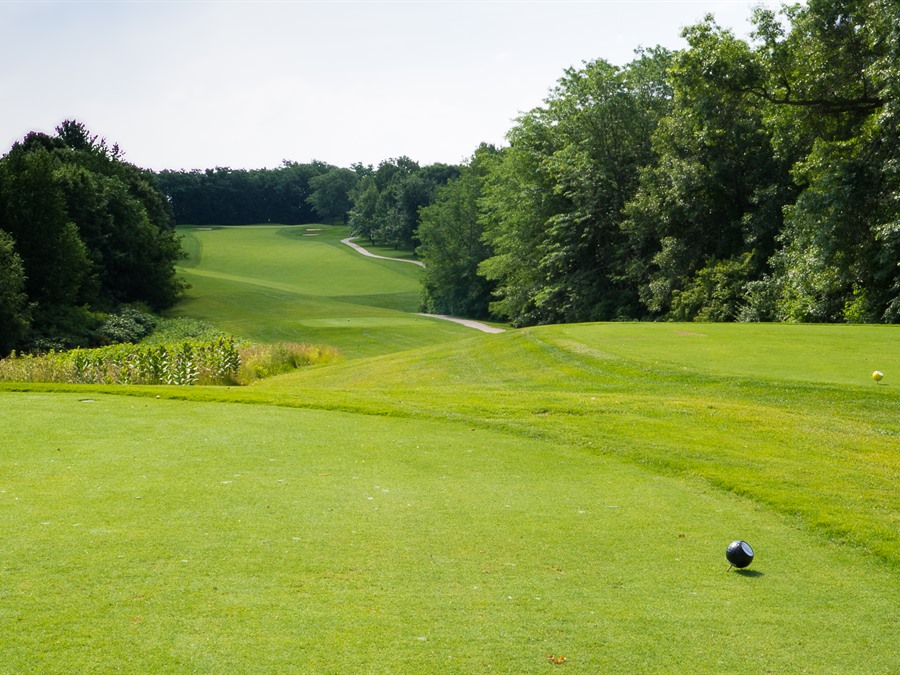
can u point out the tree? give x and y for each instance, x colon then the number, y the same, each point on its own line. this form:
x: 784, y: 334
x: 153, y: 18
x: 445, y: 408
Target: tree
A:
x: 33, y: 212
x: 90, y: 231
x: 330, y: 195
x: 75, y: 135
x: 394, y: 221
x: 126, y: 225
x: 518, y: 202
x: 607, y: 117
x: 831, y: 83
x: 15, y: 317
x: 554, y: 205
x: 362, y: 214
x: 386, y: 201
x: 452, y: 245
x: 712, y: 200
x: 400, y: 204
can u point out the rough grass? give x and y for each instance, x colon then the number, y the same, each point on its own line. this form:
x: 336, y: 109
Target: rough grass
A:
x: 267, y: 360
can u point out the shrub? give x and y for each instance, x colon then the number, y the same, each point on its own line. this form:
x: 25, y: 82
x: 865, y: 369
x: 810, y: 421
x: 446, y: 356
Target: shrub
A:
x: 128, y: 325
x: 716, y: 292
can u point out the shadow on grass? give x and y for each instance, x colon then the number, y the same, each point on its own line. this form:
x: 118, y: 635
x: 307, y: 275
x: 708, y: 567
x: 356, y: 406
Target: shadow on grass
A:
x: 753, y: 574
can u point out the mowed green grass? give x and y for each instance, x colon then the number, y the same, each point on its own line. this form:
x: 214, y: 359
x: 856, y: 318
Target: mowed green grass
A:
x: 823, y: 450
x: 473, y: 504
x: 272, y: 283
x: 151, y: 535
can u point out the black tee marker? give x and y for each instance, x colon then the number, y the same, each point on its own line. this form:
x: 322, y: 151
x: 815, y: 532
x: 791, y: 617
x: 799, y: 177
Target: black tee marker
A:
x: 739, y: 554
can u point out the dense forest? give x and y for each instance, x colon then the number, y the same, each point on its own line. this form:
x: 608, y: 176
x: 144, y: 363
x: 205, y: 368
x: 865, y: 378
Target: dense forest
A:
x: 386, y: 202
x: 292, y: 194
x: 83, y: 234
x: 733, y: 180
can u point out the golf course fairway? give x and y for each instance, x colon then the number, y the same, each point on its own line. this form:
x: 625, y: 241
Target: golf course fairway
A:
x: 442, y: 500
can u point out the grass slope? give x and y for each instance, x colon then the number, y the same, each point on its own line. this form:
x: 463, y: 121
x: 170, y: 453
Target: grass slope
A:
x: 472, y: 505
x: 823, y: 449
x: 300, y: 284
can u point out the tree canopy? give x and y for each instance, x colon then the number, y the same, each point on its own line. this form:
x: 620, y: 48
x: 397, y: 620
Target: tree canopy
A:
x: 82, y: 232
x: 452, y: 244
x: 732, y: 180
x: 386, y: 201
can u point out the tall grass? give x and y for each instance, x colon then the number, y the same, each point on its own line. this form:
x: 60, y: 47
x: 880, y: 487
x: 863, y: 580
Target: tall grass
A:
x: 185, y: 363
x: 221, y: 361
x: 260, y: 361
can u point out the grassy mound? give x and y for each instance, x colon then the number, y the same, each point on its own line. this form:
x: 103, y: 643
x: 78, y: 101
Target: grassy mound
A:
x: 750, y: 408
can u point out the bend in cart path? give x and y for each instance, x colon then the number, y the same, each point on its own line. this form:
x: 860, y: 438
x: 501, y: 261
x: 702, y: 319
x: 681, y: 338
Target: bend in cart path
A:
x: 360, y: 249
x: 477, y: 325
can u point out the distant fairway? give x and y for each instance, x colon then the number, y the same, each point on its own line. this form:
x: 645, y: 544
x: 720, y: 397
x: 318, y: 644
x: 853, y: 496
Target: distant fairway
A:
x: 300, y: 284
x: 448, y: 501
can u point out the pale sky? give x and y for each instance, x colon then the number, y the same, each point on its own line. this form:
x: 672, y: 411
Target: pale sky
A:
x: 191, y: 85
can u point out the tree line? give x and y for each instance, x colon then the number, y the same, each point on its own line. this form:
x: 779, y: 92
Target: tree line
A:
x: 82, y: 234
x: 386, y: 202
x: 733, y: 180
x: 380, y: 204
x: 291, y: 194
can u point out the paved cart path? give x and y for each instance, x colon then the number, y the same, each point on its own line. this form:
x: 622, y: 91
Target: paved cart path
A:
x: 360, y: 249
x: 477, y: 325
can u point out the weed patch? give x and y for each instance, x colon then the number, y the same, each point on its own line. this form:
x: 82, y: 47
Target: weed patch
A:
x: 261, y: 361
x: 221, y: 361
x: 187, y: 363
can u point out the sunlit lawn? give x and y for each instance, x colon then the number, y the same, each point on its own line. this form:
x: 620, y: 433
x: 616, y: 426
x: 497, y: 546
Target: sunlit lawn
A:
x: 442, y: 500
x: 154, y: 535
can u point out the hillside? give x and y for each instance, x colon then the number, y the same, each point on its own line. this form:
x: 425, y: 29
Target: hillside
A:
x: 300, y: 284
